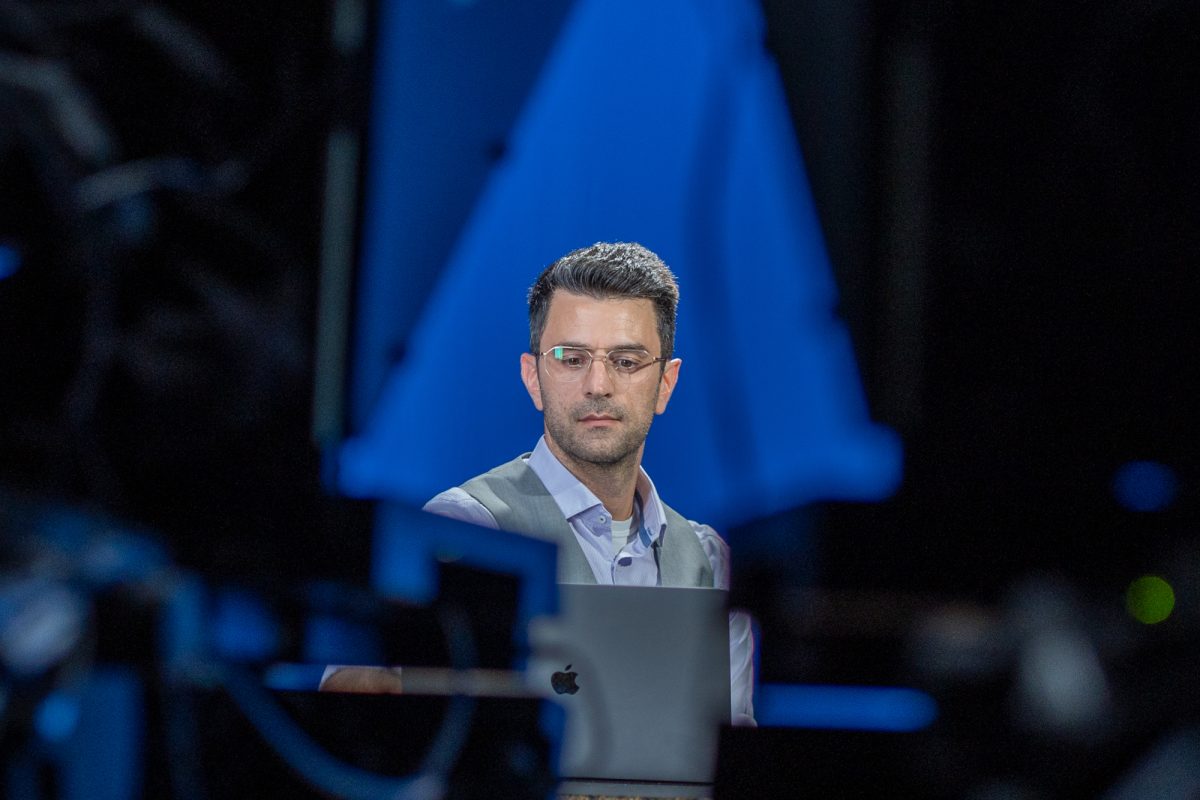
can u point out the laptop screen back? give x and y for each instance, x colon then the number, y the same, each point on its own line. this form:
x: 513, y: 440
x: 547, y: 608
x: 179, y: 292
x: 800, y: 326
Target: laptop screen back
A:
x: 643, y: 675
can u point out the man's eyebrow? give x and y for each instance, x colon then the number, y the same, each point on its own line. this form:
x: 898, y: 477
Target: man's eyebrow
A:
x: 625, y: 346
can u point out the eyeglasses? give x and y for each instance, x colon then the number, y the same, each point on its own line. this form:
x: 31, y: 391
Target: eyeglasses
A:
x: 572, y: 363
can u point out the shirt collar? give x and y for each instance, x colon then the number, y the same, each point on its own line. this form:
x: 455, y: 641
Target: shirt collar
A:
x: 573, y: 498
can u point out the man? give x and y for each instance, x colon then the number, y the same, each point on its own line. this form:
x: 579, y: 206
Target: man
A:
x: 600, y: 367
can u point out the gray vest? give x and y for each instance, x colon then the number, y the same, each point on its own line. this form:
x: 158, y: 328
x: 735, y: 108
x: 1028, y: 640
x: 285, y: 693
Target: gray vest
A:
x: 519, y: 501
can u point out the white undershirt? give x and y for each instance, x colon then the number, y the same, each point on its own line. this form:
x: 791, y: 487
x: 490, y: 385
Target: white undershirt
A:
x: 621, y: 532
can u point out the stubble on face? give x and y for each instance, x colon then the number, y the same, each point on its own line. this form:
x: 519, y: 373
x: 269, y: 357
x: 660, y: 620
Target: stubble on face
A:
x: 608, y: 447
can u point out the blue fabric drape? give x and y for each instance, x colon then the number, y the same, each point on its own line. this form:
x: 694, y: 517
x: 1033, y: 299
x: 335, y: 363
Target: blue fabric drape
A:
x: 663, y: 123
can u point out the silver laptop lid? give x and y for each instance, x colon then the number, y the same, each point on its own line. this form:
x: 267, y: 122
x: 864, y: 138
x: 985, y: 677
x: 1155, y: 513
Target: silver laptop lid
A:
x: 643, y: 674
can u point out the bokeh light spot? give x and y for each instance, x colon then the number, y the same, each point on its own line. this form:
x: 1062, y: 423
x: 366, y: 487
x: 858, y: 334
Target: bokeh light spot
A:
x: 10, y: 260
x: 1145, y: 485
x: 56, y: 717
x: 1150, y: 599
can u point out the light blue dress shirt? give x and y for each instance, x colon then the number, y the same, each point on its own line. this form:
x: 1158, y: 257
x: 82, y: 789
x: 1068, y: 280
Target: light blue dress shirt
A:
x: 634, y: 564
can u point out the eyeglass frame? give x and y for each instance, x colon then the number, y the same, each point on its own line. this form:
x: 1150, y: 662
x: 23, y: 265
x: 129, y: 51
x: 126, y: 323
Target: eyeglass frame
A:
x: 608, y: 364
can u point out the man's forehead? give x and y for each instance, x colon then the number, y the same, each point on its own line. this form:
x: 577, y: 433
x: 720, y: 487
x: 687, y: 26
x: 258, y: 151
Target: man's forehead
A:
x: 571, y: 302
x: 583, y: 321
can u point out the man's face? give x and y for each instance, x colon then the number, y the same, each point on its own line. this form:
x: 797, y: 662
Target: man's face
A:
x: 600, y: 419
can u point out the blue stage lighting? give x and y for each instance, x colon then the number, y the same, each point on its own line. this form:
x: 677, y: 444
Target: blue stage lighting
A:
x: 243, y: 627
x: 1145, y: 486
x: 10, y: 260
x: 859, y: 708
x: 57, y: 716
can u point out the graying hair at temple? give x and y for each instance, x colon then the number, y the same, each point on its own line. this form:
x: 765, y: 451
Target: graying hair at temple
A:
x: 608, y: 270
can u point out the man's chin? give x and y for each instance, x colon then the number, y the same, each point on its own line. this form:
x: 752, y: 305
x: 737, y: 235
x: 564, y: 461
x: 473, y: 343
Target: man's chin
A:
x: 600, y: 446
x: 599, y: 455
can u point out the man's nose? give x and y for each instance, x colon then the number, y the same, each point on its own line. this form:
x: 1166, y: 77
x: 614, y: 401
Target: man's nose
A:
x: 599, y: 379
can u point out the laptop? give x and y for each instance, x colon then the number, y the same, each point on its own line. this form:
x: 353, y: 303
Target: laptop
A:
x: 643, y: 676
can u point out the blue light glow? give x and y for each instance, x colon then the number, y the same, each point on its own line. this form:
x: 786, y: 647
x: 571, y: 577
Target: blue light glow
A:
x: 1145, y: 486
x: 57, y: 717
x: 293, y: 677
x: 860, y: 708
x: 10, y: 261
x: 331, y: 640
x: 243, y: 627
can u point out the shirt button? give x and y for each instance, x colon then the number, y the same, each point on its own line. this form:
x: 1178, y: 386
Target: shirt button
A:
x: 603, y: 518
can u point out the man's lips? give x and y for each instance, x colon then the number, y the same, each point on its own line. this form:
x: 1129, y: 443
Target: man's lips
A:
x: 597, y: 419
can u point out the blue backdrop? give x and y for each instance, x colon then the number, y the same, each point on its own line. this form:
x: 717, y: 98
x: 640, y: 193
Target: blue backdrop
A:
x: 663, y: 123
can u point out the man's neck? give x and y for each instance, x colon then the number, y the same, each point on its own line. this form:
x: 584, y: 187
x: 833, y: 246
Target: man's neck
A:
x: 613, y: 484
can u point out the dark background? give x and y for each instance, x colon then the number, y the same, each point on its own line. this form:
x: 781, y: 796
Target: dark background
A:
x: 1008, y: 196
x: 159, y: 349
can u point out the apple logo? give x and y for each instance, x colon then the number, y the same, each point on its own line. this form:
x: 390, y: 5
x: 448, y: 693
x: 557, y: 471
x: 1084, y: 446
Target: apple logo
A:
x: 564, y: 682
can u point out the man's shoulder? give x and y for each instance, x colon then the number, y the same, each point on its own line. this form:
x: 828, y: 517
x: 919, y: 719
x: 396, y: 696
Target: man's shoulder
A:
x: 506, y: 485
x: 710, y: 540
x: 457, y: 504
x: 509, y: 470
x: 703, y: 532
x: 476, y: 500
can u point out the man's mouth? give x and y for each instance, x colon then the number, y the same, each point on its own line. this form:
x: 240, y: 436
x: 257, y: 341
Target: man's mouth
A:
x: 597, y: 419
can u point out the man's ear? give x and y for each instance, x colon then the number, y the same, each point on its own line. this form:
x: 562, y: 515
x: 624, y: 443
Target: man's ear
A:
x: 529, y: 376
x: 666, y: 384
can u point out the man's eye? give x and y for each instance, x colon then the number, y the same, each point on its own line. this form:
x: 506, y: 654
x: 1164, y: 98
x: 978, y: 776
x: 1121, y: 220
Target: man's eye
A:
x: 573, y: 360
x: 625, y: 362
